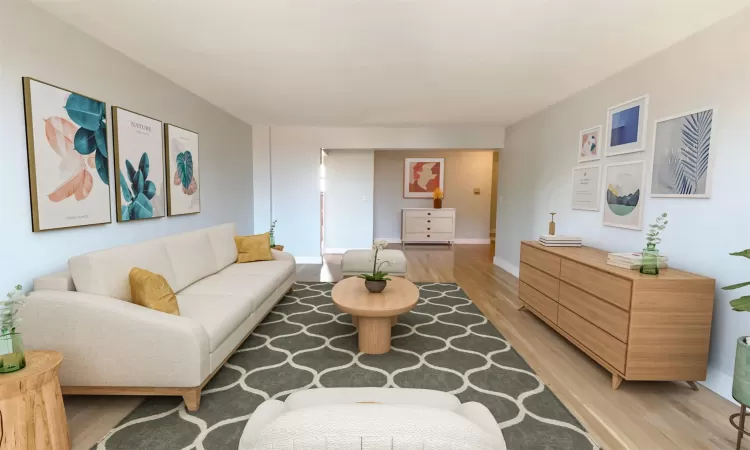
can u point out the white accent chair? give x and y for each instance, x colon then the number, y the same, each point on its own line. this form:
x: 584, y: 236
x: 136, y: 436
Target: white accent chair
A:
x: 371, y: 418
x: 113, y: 346
x: 355, y: 262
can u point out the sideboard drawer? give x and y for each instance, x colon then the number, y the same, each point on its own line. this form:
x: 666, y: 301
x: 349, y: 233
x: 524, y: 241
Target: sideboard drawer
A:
x: 429, y: 213
x: 546, y: 284
x: 540, y: 302
x: 604, y: 315
x: 605, y: 346
x: 429, y: 237
x: 427, y: 224
x: 613, y: 289
x: 540, y: 259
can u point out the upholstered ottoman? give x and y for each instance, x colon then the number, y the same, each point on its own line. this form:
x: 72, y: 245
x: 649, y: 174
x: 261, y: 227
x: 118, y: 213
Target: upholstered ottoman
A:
x: 373, y: 419
x: 356, y: 262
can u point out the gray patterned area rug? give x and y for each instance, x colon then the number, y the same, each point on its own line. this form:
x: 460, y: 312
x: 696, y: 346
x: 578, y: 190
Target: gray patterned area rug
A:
x: 444, y: 343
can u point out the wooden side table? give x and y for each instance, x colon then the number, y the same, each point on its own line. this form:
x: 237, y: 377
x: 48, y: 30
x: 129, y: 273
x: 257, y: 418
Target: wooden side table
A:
x: 278, y: 247
x: 31, y: 405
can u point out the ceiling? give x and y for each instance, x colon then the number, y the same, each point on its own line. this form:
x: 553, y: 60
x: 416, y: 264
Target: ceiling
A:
x: 388, y: 62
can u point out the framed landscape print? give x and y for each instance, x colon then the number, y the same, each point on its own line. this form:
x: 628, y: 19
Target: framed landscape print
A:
x: 623, y: 206
x: 586, y: 187
x: 626, y: 127
x: 66, y: 137
x: 589, y: 148
x: 183, y: 194
x: 683, y: 155
x: 139, y: 166
x: 422, y: 176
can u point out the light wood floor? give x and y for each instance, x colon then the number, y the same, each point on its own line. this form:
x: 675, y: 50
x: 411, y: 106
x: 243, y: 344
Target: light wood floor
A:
x: 639, y: 416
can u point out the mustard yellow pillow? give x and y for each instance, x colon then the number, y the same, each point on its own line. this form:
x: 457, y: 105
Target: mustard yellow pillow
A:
x: 253, y: 248
x: 152, y: 291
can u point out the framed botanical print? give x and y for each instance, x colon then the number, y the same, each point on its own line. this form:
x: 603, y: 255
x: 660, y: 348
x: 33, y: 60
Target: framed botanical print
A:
x: 183, y: 168
x: 66, y: 136
x: 624, y: 195
x: 422, y: 176
x: 626, y: 127
x: 683, y: 155
x: 139, y: 166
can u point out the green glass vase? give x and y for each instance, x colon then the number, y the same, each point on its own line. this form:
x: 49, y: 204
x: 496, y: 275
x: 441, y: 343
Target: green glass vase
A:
x: 11, y: 349
x: 650, y: 260
x: 741, y: 382
x: 273, y: 240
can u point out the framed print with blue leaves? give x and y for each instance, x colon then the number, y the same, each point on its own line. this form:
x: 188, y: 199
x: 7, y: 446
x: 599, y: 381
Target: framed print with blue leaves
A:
x: 183, y: 171
x: 139, y: 166
x: 66, y: 137
x: 683, y: 155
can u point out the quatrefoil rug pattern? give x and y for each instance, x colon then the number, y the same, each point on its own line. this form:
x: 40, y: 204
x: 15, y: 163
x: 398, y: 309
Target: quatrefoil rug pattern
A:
x: 444, y: 343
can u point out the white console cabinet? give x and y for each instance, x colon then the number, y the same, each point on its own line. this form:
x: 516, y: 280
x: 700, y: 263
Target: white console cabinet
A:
x: 420, y: 225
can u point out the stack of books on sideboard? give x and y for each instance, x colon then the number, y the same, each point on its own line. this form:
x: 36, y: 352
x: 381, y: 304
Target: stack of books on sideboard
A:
x: 631, y: 261
x: 551, y: 240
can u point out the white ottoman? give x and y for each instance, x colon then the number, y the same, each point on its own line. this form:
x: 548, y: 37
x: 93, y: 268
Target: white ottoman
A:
x: 356, y: 262
x: 373, y: 419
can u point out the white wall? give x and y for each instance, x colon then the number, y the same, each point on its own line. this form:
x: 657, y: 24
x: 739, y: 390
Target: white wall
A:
x: 349, y: 178
x: 295, y: 161
x: 464, y: 171
x: 261, y: 177
x: 35, y: 44
x: 712, y: 68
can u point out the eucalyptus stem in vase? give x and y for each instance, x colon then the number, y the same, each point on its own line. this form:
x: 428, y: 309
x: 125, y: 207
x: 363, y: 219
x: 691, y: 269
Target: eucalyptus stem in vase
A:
x: 11, y: 347
x: 650, y: 255
x: 271, y: 233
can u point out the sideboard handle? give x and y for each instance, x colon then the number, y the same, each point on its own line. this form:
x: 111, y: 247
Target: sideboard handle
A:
x: 428, y: 229
x: 428, y: 235
x: 429, y: 214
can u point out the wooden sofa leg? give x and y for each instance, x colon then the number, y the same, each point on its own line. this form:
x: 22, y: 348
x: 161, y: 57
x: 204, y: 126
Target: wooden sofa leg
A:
x: 192, y: 399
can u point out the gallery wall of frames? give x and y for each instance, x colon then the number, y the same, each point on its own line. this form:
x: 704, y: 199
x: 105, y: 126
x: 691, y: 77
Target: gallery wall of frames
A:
x: 155, y: 169
x: 680, y: 166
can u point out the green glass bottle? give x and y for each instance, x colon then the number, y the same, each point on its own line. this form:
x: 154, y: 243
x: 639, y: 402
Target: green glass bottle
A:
x: 650, y: 260
x: 13, y: 358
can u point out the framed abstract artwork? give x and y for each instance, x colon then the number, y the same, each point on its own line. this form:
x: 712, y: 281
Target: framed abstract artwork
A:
x: 422, y: 176
x: 683, y: 155
x: 183, y: 168
x: 586, y: 187
x: 626, y: 127
x: 589, y: 140
x: 139, y: 166
x: 66, y: 137
x: 623, y: 195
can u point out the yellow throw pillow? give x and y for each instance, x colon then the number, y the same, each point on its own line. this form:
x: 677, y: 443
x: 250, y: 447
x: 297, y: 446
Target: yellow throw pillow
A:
x: 152, y: 291
x: 253, y: 248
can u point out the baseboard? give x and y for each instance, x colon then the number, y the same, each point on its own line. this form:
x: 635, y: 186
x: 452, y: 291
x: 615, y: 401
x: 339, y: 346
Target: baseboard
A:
x: 506, y: 266
x: 471, y: 241
x: 309, y: 259
x: 719, y: 382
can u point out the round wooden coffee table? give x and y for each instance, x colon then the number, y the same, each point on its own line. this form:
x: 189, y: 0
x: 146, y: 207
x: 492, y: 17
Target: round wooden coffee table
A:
x: 31, y: 405
x: 374, y: 314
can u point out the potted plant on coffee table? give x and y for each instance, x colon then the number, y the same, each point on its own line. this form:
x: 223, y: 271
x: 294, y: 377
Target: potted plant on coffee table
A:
x: 377, y: 280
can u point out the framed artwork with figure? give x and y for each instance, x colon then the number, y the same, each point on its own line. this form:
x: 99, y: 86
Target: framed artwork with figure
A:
x: 422, y: 176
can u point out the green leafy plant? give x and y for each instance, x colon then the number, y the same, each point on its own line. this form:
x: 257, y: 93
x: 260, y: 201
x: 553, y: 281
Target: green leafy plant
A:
x: 273, y: 227
x: 377, y: 274
x: 742, y: 303
x: 652, y: 237
x: 9, y: 319
x: 143, y: 190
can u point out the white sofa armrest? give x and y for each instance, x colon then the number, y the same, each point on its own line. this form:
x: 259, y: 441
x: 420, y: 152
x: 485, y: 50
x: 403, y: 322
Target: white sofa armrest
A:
x: 110, y: 342
x: 284, y: 256
x: 59, y: 281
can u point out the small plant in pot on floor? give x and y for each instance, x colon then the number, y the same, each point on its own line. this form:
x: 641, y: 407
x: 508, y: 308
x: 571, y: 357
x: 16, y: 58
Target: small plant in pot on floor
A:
x: 741, y: 383
x: 376, y: 281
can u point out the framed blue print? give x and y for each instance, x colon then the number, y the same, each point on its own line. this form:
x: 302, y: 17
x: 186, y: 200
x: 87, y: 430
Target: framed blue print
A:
x: 626, y: 127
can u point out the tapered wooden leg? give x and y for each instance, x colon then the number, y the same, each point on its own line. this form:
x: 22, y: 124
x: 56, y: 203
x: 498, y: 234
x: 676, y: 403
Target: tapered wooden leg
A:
x: 616, y: 381
x: 192, y: 399
x: 374, y: 335
x: 693, y: 385
x: 522, y: 307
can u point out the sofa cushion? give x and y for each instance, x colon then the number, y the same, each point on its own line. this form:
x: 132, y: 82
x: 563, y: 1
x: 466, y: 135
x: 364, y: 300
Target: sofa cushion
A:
x: 257, y: 288
x: 219, y: 315
x: 106, y: 272
x: 254, y: 248
x: 272, y: 272
x: 192, y: 257
x: 222, y: 242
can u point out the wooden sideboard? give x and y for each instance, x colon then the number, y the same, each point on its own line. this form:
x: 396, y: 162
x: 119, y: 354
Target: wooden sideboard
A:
x: 428, y: 225
x: 638, y: 327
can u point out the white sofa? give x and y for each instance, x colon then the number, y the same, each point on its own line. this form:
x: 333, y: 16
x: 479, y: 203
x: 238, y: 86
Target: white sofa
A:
x: 113, y: 346
x: 372, y: 418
